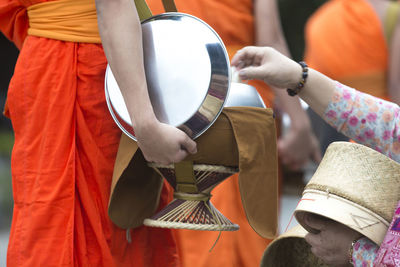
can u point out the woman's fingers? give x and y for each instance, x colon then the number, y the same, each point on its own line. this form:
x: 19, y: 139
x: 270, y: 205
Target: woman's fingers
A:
x: 252, y: 72
x: 246, y: 56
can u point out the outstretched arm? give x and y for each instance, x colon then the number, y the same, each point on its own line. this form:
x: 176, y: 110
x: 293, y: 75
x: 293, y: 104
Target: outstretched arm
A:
x: 121, y: 35
x: 265, y: 63
x: 362, y: 117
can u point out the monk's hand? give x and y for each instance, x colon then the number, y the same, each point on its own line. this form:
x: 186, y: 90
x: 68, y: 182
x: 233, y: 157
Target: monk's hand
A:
x: 163, y: 143
x: 332, y: 242
x: 298, y: 146
x: 266, y: 63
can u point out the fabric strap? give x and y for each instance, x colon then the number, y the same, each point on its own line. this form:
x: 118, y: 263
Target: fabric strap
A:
x: 169, y: 6
x: 145, y: 12
x: 143, y: 9
x: 185, y: 180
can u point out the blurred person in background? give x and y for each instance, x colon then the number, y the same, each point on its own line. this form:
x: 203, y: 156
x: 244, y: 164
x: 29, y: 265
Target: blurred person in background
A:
x: 357, y: 50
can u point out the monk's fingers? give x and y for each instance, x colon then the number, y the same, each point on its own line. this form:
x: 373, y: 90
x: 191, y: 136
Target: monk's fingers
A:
x: 189, y: 145
x: 179, y: 156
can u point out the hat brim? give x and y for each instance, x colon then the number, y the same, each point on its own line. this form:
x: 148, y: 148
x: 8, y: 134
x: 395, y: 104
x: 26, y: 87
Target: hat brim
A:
x: 343, y: 211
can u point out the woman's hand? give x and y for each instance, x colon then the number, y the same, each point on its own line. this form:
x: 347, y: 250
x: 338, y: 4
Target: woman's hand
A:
x: 265, y: 63
x: 163, y: 143
x: 333, y: 242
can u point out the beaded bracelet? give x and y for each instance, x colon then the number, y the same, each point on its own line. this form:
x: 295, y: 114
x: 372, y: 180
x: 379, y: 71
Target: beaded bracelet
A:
x: 300, y: 85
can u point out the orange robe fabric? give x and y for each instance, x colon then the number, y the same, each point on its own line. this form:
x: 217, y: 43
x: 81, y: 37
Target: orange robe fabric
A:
x: 345, y: 41
x: 233, y: 21
x: 63, y: 157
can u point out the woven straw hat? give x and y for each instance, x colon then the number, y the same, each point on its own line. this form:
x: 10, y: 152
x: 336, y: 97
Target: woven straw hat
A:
x: 290, y: 249
x: 191, y: 207
x: 353, y: 185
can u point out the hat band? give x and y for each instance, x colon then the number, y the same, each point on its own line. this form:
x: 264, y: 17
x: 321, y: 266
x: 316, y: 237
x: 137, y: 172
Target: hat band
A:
x: 343, y: 211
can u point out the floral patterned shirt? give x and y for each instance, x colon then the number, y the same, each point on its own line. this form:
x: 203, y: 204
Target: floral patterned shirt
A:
x: 373, y: 122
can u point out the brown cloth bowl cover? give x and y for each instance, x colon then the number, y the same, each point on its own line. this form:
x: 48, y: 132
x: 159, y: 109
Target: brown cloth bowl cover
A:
x: 243, y: 137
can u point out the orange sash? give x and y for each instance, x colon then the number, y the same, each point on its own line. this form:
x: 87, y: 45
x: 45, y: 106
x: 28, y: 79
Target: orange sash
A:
x: 66, y: 20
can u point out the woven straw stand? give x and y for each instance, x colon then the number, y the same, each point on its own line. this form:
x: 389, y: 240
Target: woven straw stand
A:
x: 191, y: 207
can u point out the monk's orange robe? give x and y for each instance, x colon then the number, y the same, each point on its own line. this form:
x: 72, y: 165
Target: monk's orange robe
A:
x: 233, y: 21
x: 62, y: 161
x: 345, y: 41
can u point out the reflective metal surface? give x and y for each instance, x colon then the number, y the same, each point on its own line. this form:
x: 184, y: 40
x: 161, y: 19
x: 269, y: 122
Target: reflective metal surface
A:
x: 187, y: 71
x: 188, y: 76
x: 242, y: 94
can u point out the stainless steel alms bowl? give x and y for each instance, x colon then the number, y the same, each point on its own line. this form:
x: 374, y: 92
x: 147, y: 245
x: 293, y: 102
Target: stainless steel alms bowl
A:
x: 243, y: 95
x: 188, y: 75
x: 240, y: 94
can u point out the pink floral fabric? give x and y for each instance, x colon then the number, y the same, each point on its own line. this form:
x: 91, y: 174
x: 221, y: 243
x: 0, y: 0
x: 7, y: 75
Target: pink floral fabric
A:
x: 366, y: 119
x: 364, y: 252
x: 373, y: 122
x: 389, y: 252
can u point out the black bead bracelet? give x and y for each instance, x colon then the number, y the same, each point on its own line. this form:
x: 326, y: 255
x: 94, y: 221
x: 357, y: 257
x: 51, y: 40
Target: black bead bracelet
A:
x: 300, y: 85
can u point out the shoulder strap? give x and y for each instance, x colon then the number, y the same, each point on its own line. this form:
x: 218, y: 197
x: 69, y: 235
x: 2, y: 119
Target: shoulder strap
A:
x: 169, y: 6
x: 144, y: 11
x: 392, y: 15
